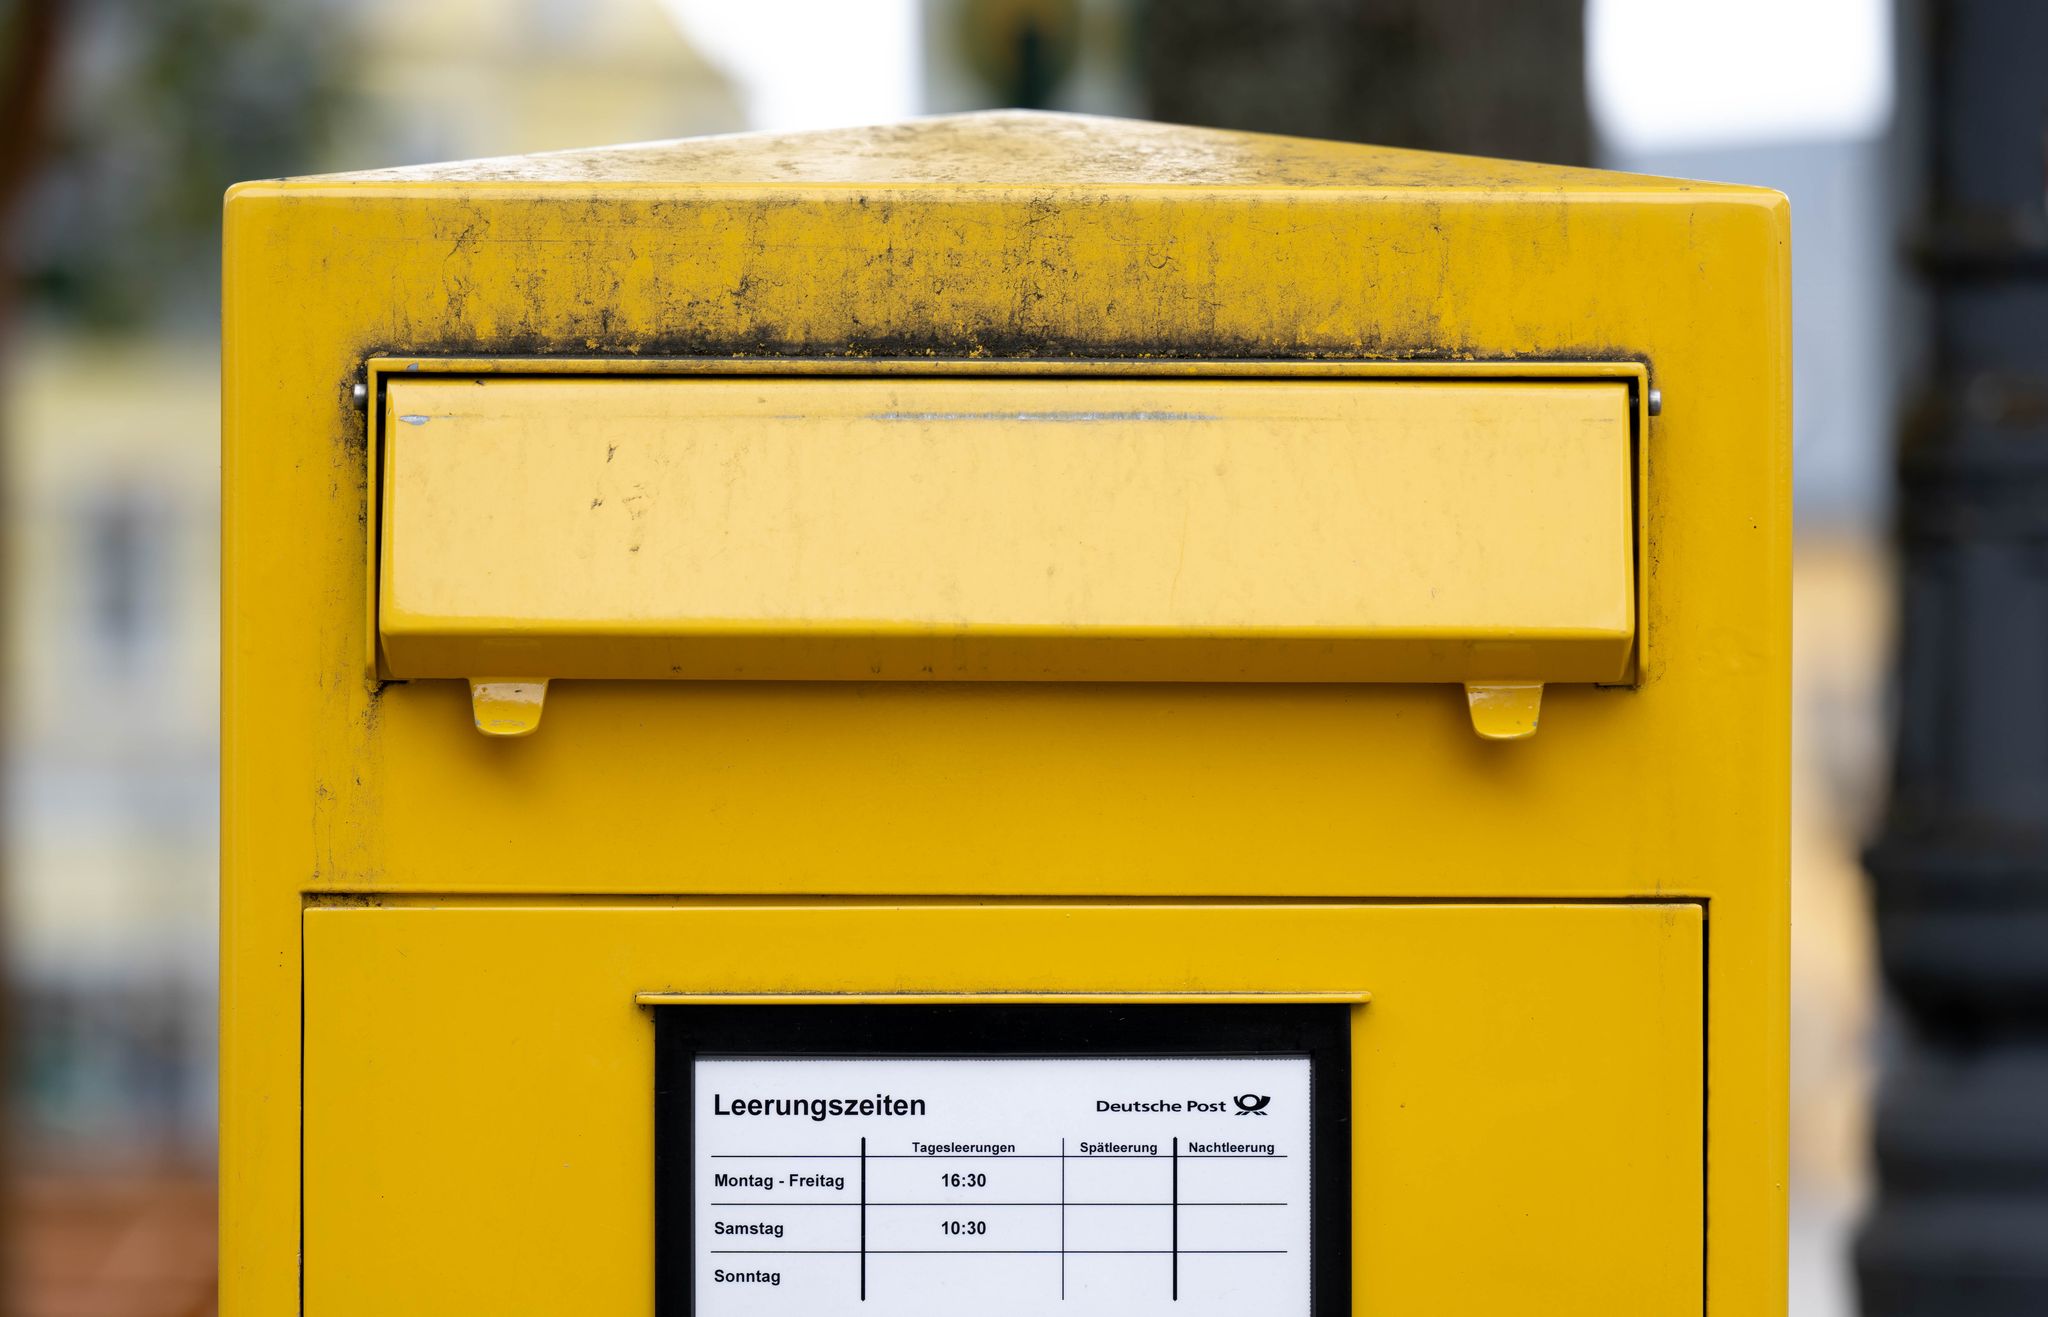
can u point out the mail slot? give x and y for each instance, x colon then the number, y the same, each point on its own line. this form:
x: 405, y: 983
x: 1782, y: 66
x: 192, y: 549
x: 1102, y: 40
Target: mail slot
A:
x: 1086, y: 529
x: 883, y: 721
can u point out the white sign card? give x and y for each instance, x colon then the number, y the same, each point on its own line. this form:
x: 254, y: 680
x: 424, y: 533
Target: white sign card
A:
x: 1002, y: 1186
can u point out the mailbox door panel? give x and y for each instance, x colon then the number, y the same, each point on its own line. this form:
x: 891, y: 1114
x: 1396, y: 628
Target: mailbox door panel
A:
x: 1527, y: 1081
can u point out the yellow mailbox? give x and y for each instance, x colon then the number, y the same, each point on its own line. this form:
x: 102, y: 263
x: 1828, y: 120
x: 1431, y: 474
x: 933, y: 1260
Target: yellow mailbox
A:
x: 1009, y: 714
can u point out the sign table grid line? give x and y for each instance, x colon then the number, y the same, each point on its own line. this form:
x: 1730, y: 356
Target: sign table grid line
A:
x: 863, y: 1219
x: 1062, y: 1203
x: 1002, y: 1252
x: 1176, y: 1219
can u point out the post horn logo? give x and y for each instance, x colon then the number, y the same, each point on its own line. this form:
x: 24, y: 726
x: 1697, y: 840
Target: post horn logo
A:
x: 1252, y: 1104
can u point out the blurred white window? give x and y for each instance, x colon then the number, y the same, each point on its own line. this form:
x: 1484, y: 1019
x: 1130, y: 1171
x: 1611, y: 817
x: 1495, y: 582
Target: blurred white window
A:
x: 811, y: 63
x: 124, y: 548
x: 1666, y: 74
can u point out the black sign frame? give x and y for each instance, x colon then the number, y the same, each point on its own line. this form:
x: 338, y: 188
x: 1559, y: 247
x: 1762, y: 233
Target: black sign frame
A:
x: 1321, y: 1032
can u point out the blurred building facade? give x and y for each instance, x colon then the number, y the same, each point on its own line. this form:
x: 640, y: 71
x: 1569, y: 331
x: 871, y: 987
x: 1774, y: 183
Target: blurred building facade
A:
x: 110, y: 416
x: 113, y: 431
x: 113, y: 542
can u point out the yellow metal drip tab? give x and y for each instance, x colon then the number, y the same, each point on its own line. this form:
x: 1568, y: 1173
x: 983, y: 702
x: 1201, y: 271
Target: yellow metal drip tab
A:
x: 1505, y: 711
x: 507, y: 708
x: 1102, y: 529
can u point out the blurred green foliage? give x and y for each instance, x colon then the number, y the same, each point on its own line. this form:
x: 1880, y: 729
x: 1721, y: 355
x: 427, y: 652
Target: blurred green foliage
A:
x: 157, y: 106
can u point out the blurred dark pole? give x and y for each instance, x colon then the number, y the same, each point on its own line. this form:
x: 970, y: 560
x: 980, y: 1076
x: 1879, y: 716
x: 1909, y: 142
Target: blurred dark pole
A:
x: 28, y: 48
x: 28, y: 44
x: 1960, y: 869
x: 1019, y: 50
x: 1479, y: 77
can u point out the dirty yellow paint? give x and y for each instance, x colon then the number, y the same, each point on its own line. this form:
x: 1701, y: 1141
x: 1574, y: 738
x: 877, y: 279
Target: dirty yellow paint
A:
x: 1532, y: 1126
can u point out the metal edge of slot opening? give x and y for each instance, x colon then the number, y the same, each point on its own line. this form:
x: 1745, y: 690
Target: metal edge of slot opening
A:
x: 1349, y: 998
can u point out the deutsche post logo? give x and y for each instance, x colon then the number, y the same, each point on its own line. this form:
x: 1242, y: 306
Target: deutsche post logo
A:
x: 1252, y: 1104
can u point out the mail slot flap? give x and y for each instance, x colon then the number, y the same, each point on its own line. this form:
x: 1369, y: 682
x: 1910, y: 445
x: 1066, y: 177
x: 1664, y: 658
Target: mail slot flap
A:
x: 1006, y: 529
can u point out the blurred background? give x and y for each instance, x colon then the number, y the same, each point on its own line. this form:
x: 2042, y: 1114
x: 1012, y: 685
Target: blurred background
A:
x: 125, y: 119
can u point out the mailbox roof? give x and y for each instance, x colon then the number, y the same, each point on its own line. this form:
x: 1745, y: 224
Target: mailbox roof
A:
x: 1022, y: 148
